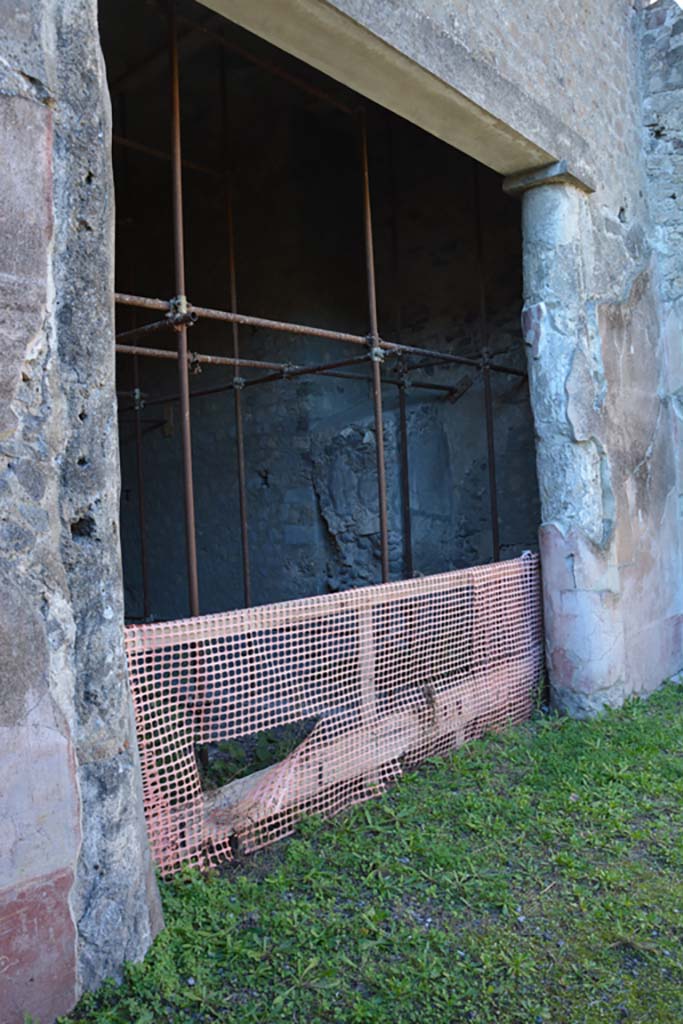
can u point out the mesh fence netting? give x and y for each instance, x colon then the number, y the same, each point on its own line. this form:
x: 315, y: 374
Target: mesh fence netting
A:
x: 384, y: 677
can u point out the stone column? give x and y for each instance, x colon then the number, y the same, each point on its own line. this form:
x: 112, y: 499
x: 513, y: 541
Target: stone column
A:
x: 583, y: 623
x: 77, y: 889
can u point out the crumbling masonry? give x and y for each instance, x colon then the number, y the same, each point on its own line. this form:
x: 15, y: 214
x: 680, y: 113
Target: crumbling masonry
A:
x: 579, y: 109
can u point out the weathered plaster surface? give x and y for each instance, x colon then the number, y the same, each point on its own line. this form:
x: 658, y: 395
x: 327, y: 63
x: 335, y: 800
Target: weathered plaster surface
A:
x: 515, y: 86
x: 662, y: 83
x: 24, y: 202
x: 77, y: 892
x: 606, y: 458
x: 567, y: 86
x: 37, y: 940
x: 568, y: 389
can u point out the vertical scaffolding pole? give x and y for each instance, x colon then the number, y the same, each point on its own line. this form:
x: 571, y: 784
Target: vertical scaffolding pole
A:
x: 405, y: 482
x: 402, y: 400
x: 181, y: 303
x: 137, y: 407
x: 142, y: 525
x: 493, y: 490
x: 375, y: 354
x: 238, y: 383
x: 486, y: 369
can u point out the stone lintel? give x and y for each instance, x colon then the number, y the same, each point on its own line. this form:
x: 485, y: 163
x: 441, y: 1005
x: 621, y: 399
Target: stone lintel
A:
x: 558, y: 173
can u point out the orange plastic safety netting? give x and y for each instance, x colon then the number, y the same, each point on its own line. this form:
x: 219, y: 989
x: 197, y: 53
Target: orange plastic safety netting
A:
x: 385, y: 675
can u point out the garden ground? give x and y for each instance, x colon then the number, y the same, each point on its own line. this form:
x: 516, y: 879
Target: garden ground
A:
x: 534, y: 876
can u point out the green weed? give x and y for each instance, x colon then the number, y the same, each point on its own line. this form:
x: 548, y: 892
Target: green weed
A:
x: 534, y: 876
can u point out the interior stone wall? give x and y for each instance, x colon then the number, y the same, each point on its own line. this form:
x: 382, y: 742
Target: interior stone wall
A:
x: 77, y: 889
x: 310, y: 442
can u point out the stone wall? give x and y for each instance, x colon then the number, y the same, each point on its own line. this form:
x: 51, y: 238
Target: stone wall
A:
x: 559, y: 88
x: 552, y: 96
x: 611, y: 559
x: 518, y: 88
x: 662, y: 70
x: 77, y: 891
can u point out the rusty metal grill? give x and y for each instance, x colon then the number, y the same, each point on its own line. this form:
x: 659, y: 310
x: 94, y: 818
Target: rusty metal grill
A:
x: 179, y: 314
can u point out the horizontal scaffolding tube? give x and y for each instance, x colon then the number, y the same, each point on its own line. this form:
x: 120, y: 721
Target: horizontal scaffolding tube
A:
x: 160, y: 154
x: 202, y: 312
x: 267, y: 65
x: 446, y: 357
x: 197, y: 357
x: 303, y: 371
x: 284, y: 370
x: 455, y: 390
x: 141, y: 332
x: 287, y: 371
x: 223, y: 316
x: 277, y: 325
x: 139, y: 302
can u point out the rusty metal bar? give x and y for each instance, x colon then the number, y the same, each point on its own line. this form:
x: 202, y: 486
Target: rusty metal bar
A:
x: 278, y: 325
x: 491, y: 459
x: 160, y: 154
x: 152, y: 63
x: 512, y: 371
x: 267, y: 65
x: 242, y: 486
x: 241, y: 318
x: 237, y: 381
x: 145, y: 329
x: 405, y: 483
x: 288, y: 369
x: 142, y: 526
x: 195, y: 30
x: 138, y: 420
x: 488, y: 398
x: 140, y: 302
x: 202, y: 312
x: 376, y: 353
x: 453, y: 391
x: 304, y: 371
x: 446, y: 357
x: 200, y: 358
x: 183, y: 369
x: 404, y: 462
x: 414, y: 350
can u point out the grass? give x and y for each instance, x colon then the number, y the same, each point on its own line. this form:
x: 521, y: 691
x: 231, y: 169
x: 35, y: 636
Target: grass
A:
x: 535, y: 876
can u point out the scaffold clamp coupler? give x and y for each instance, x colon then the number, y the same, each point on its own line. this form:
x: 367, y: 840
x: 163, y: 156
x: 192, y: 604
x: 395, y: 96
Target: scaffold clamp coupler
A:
x: 179, y: 311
